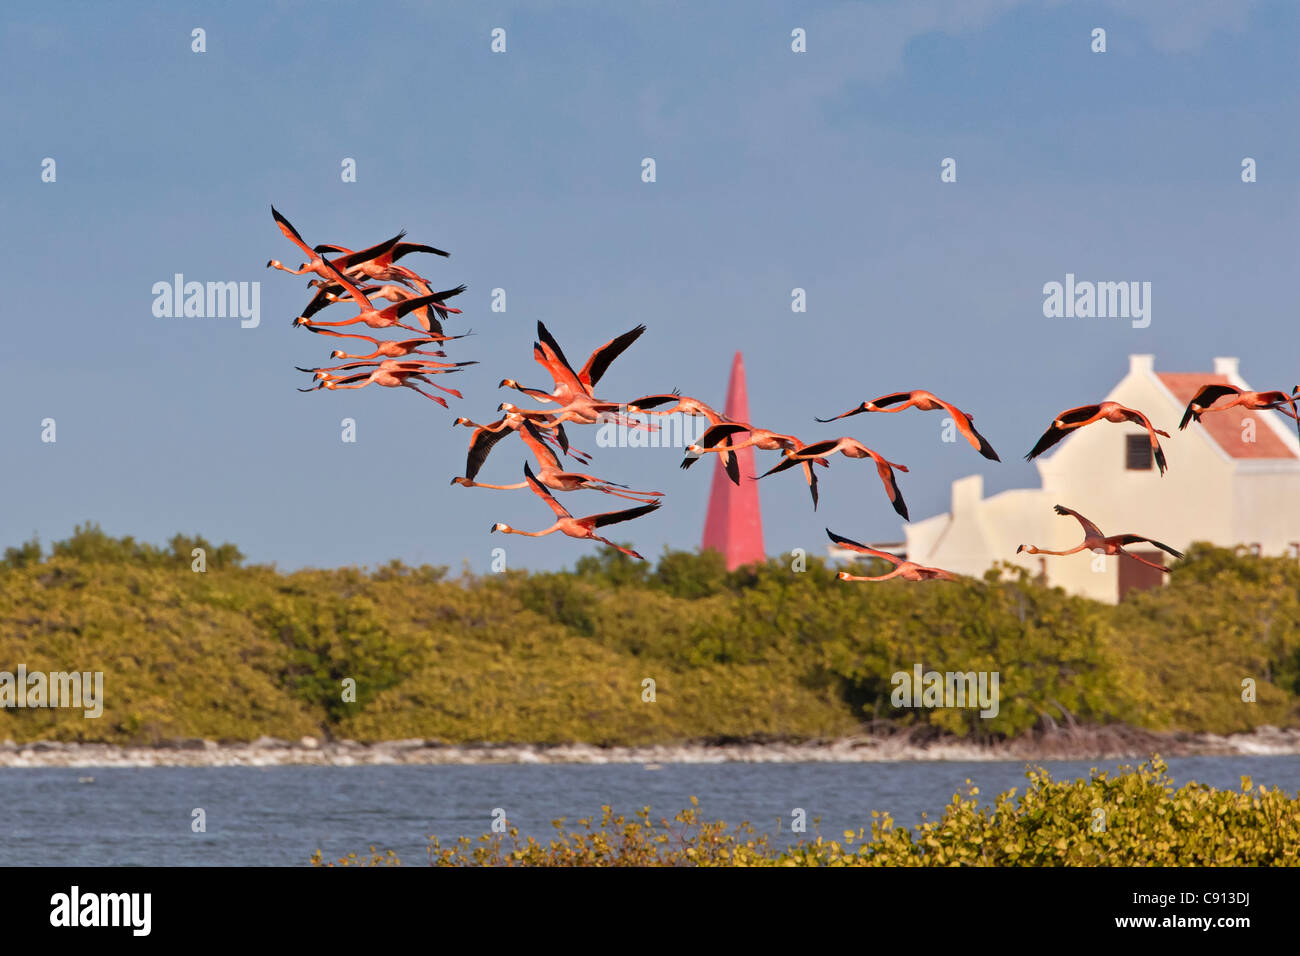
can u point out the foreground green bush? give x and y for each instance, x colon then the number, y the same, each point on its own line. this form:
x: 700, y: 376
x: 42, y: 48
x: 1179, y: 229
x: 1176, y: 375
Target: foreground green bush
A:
x: 1135, y: 818
x: 237, y: 652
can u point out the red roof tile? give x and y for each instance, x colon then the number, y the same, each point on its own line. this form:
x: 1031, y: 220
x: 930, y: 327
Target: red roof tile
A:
x: 1226, y: 427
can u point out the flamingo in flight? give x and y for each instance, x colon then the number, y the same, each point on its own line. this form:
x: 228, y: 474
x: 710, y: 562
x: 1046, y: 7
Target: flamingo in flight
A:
x: 317, y: 263
x: 907, y: 570
x: 678, y: 404
x: 390, y: 374
x: 763, y: 438
x: 420, y: 365
x: 386, y: 347
x: 1203, y: 401
x: 808, y: 473
x: 380, y: 267
x: 568, y: 383
x: 1086, y: 415
x: 926, y: 402
x: 685, y: 405
x: 849, y: 448
x: 485, y: 438
x: 372, y: 317
x: 1094, y: 540
x: 573, y: 389
x: 577, y: 527
x: 328, y: 293
x: 551, y: 475
x: 583, y: 410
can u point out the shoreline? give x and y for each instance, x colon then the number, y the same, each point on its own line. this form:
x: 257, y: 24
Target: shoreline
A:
x: 1090, y: 743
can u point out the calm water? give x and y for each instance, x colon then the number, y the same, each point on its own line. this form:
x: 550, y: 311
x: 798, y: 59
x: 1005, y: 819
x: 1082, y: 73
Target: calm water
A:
x: 279, y: 815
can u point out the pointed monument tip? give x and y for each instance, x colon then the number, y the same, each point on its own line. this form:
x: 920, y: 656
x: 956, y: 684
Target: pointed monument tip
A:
x: 734, y: 525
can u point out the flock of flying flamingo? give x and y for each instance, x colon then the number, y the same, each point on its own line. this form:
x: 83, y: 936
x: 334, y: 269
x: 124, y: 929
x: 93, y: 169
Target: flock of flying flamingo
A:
x: 350, y: 277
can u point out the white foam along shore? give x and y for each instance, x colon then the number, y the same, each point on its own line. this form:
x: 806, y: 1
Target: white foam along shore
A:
x: 1098, y: 743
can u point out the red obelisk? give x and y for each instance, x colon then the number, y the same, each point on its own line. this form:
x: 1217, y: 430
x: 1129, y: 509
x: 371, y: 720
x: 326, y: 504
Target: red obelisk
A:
x: 733, y: 525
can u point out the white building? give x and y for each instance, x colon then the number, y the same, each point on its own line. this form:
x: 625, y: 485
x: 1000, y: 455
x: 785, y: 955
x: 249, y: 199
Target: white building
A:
x: 1233, y: 480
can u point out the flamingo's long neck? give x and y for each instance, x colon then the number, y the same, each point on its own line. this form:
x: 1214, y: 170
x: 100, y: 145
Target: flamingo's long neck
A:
x: 1071, y: 551
x: 534, y: 534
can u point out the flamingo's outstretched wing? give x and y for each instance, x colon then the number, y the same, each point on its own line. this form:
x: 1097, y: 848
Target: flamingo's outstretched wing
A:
x: 352, y: 259
x: 1136, y: 538
x: 291, y: 234
x: 1206, y: 396
x: 540, y: 490
x: 534, y: 440
x: 614, y: 517
x: 358, y: 296
x: 967, y: 428
x: 601, y: 358
x: 786, y: 462
x: 853, y: 545
x: 1055, y: 433
x: 480, y: 445
x: 1089, y: 528
x: 552, y: 356
x: 654, y: 401
x: 884, y: 401
x: 406, y: 248
x: 890, y: 481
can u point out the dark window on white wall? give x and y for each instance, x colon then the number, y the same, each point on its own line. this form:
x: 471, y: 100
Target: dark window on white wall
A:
x: 1137, y: 453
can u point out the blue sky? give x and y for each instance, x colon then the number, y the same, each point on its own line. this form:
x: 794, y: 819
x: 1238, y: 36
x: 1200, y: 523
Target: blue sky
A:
x: 775, y: 170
